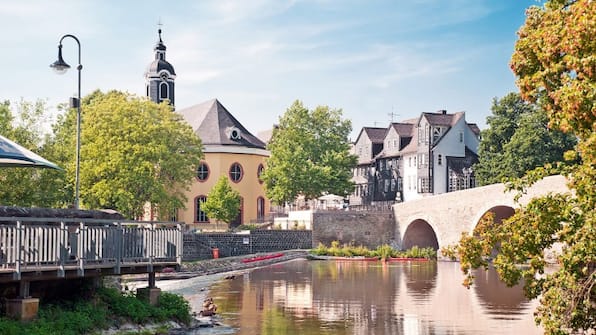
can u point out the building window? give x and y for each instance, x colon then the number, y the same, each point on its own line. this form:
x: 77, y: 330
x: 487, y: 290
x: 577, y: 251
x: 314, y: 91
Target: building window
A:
x: 236, y: 172
x: 437, y: 131
x: 260, y: 170
x: 163, y: 91
x: 440, y: 159
x: 423, y: 185
x: 260, y: 209
x: 462, y: 181
x: 203, y: 171
x: 200, y: 216
x: 461, y: 137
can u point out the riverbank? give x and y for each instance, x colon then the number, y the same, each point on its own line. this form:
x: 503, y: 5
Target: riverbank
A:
x: 228, y: 264
x: 203, y: 274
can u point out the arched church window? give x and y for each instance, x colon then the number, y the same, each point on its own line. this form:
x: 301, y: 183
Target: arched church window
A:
x: 163, y: 91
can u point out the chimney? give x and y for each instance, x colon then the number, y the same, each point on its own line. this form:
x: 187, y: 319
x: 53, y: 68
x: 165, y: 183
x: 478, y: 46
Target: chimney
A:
x: 443, y: 111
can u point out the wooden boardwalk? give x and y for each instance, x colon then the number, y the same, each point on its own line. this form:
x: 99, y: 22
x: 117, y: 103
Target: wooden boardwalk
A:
x: 33, y: 249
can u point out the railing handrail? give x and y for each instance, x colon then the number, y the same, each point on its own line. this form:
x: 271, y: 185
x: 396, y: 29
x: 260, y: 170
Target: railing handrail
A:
x: 34, y: 243
x: 28, y: 219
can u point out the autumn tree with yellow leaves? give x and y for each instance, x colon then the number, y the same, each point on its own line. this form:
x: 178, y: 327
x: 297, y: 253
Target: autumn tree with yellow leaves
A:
x: 555, y: 64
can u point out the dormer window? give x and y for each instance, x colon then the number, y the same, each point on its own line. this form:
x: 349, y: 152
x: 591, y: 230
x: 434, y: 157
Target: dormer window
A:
x: 234, y: 133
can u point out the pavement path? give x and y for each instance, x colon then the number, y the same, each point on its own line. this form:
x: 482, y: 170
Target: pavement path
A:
x: 229, y: 264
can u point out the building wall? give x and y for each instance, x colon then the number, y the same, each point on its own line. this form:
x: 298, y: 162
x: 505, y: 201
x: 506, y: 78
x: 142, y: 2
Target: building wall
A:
x: 370, y: 229
x: 392, y: 142
x: 410, y: 177
x: 449, y: 145
x: 363, y: 149
x: 249, y: 187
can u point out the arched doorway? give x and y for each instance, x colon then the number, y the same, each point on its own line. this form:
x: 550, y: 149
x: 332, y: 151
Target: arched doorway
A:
x: 240, y: 218
x: 421, y: 234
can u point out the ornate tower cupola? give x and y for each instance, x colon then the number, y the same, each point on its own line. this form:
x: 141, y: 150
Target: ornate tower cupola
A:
x: 160, y: 75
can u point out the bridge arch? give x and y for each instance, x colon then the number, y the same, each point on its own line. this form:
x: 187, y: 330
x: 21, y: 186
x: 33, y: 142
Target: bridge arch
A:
x: 501, y: 212
x: 420, y: 233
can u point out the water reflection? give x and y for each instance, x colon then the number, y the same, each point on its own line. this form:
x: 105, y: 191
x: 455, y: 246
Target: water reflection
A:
x: 499, y: 300
x: 421, y: 278
x: 326, y: 297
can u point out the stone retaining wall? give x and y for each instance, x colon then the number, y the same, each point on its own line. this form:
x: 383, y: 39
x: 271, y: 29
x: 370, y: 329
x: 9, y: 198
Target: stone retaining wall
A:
x: 200, y: 246
x: 370, y: 229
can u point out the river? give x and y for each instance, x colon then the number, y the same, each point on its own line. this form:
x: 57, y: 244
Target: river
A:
x: 304, y: 297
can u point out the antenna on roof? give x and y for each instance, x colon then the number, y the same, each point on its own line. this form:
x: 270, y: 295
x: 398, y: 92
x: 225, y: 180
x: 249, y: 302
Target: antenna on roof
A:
x: 392, y: 114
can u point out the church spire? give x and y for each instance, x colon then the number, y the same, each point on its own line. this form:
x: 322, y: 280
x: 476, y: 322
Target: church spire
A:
x: 160, y: 75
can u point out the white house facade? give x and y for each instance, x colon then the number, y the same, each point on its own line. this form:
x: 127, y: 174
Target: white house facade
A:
x: 429, y: 155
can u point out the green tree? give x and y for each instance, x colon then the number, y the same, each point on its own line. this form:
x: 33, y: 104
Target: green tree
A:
x: 309, y: 155
x: 555, y: 62
x: 28, y: 186
x: 223, y: 202
x: 133, y: 152
x: 517, y: 140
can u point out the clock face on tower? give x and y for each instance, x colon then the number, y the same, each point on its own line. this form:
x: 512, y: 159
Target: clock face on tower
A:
x: 164, y: 76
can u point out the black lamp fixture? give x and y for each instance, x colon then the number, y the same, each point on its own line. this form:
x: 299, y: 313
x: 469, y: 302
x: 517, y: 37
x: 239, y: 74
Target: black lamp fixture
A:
x: 60, y: 67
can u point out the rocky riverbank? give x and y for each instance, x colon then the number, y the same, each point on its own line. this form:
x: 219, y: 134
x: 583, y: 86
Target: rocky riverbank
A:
x: 207, y: 272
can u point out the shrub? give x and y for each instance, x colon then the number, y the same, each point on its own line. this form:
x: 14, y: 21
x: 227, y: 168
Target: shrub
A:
x: 250, y: 226
x: 320, y: 250
x: 385, y: 251
x: 83, y: 317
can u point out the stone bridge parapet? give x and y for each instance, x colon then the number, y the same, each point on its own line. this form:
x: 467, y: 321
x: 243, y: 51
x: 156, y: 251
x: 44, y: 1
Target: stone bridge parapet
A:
x: 439, y: 220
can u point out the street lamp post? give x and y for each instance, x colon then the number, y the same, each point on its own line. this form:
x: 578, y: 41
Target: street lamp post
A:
x: 60, y: 67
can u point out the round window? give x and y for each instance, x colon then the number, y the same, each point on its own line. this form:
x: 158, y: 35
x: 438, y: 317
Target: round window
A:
x: 236, y: 172
x: 203, y: 171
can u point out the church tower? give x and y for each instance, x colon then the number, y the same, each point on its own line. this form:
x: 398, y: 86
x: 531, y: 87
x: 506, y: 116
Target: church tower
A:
x: 160, y: 75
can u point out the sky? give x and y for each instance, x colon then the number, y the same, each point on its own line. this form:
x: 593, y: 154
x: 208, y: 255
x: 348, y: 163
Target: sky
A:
x: 378, y: 61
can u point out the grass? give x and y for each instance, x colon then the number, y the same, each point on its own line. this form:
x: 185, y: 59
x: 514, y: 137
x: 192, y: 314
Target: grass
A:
x: 107, y: 307
x: 384, y: 251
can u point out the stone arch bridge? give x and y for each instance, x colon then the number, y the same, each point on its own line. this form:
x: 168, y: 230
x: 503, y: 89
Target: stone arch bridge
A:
x: 439, y: 220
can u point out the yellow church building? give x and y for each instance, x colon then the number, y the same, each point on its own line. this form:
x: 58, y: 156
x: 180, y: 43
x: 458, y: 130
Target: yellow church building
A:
x: 229, y: 150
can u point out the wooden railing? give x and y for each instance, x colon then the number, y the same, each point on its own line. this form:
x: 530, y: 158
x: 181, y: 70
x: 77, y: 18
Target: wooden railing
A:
x: 55, y: 244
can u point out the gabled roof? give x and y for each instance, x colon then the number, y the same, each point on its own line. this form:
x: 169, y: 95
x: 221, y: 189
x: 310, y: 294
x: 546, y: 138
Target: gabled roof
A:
x: 441, y: 118
x: 212, y: 122
x: 403, y: 129
x: 474, y: 128
x: 375, y: 134
x: 410, y: 148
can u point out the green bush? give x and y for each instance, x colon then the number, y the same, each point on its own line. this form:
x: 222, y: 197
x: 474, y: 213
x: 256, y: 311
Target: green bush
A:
x: 83, y: 317
x: 174, y: 306
x: 384, y: 251
x: 320, y: 250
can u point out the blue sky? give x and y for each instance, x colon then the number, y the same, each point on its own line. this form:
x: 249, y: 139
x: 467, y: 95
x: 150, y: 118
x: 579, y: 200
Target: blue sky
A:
x: 369, y: 58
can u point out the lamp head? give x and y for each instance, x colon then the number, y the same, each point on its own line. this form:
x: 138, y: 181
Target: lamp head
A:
x: 60, y: 66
